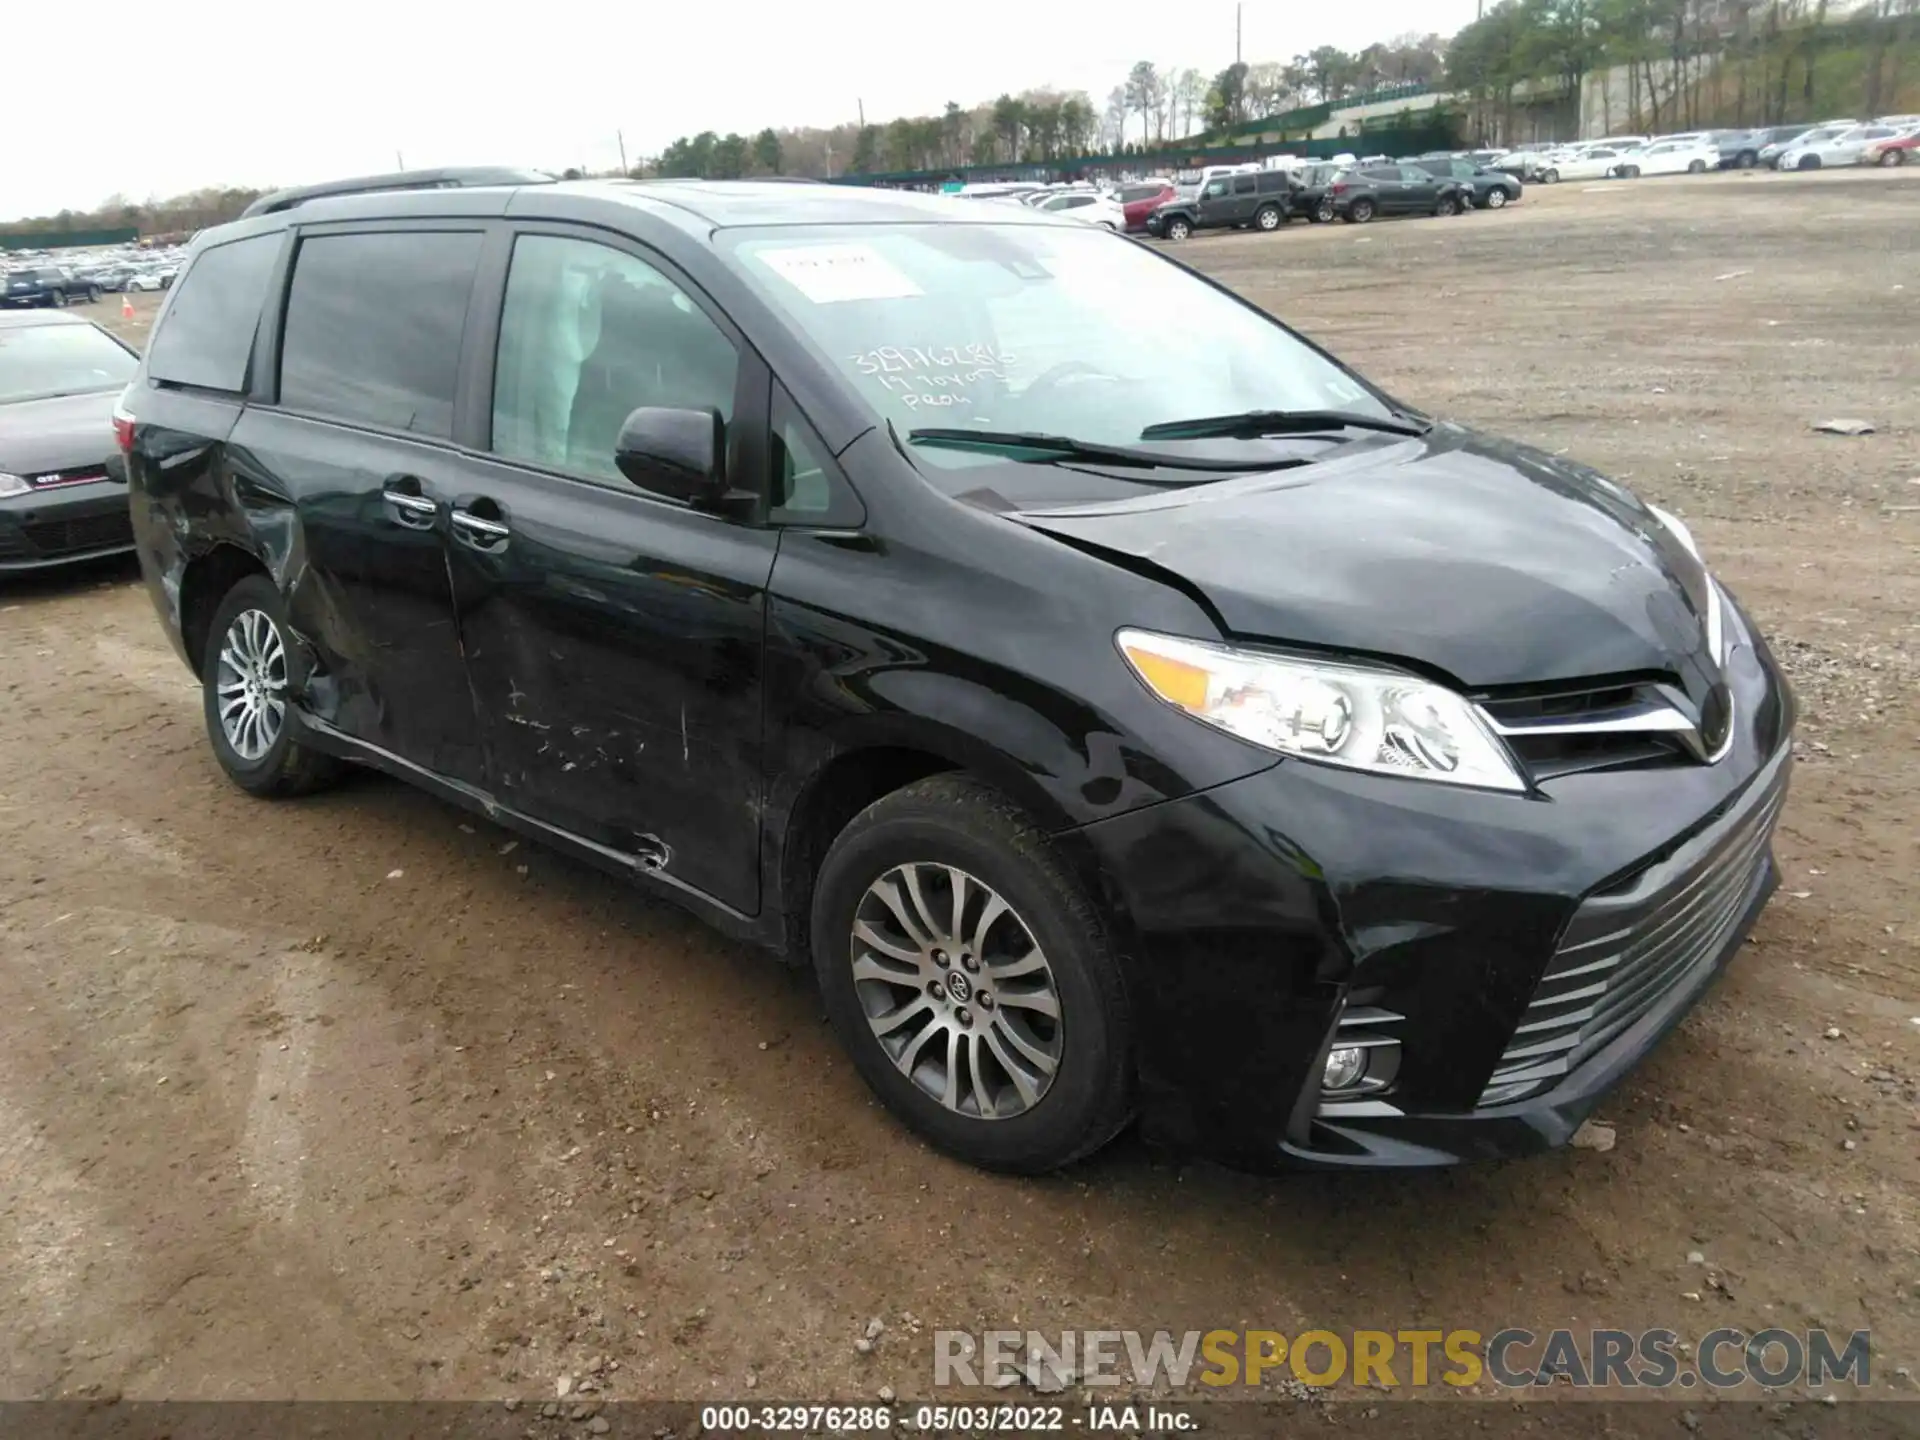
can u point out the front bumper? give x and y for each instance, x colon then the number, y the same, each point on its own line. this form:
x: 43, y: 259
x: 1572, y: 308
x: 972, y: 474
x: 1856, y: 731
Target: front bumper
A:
x: 1266, y: 920
x: 62, y: 525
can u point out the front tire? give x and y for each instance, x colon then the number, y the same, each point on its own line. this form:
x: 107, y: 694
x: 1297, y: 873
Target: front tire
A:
x: 1323, y: 213
x: 1747, y: 160
x: 1889, y: 158
x: 1178, y: 230
x: 248, y: 677
x: 1696, y: 167
x: 970, y: 977
x: 1550, y: 177
x: 1808, y: 162
x: 1447, y: 206
x: 1496, y: 199
x: 1629, y: 172
x: 93, y: 294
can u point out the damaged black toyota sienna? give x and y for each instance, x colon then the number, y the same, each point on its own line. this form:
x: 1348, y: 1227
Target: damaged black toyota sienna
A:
x: 1122, y: 719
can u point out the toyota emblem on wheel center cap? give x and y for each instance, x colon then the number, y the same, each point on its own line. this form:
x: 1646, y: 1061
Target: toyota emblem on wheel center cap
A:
x: 959, y: 987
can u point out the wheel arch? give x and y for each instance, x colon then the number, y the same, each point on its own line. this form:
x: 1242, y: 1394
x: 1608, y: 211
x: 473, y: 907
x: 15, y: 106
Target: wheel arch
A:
x: 203, y: 584
x: 808, y: 814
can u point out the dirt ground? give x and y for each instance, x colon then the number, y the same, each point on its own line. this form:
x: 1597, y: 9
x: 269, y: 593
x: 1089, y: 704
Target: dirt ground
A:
x: 357, y: 1097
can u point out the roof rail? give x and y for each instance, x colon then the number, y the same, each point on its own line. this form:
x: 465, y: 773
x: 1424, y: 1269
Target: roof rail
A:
x: 456, y: 178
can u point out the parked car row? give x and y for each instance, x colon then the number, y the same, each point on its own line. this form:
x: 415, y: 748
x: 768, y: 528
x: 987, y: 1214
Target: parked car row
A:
x: 1266, y: 199
x: 1886, y: 141
x: 54, y: 279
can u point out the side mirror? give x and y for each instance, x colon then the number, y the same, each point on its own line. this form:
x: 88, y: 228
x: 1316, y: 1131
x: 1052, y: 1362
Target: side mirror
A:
x: 681, y: 454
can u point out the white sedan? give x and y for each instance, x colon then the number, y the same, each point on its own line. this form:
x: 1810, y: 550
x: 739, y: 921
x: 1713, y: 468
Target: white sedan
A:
x: 1669, y: 157
x: 1594, y: 163
x: 1094, y: 209
x: 1842, y: 148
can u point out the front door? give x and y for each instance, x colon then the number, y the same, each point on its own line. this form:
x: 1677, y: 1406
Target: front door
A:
x: 1418, y: 190
x: 1214, y: 205
x: 615, y: 639
x: 350, y: 467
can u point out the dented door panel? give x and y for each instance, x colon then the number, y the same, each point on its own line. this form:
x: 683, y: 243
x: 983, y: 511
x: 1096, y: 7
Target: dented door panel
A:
x: 615, y: 647
x: 366, y: 582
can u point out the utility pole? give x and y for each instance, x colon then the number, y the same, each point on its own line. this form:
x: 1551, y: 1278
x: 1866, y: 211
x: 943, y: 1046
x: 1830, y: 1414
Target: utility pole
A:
x: 829, y: 159
x: 863, y: 113
x: 1236, y: 31
x: 621, y: 139
x: 399, y: 161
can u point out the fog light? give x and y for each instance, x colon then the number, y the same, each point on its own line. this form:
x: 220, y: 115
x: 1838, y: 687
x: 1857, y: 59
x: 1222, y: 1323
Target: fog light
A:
x: 1345, y: 1066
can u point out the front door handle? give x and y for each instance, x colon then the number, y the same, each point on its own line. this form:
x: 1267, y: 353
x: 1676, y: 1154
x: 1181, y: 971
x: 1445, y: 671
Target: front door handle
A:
x: 479, y: 531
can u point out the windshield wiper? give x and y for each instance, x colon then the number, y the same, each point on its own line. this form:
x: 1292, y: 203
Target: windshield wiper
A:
x: 1057, y: 449
x: 1252, y: 424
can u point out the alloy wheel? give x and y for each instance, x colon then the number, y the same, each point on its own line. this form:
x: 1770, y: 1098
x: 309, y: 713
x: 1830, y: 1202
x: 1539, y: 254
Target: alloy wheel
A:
x: 956, y: 990
x: 1496, y: 199
x: 251, y: 683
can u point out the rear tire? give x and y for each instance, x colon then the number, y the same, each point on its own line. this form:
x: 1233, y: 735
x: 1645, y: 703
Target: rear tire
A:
x: 248, y: 668
x: 1268, y: 217
x: 57, y: 299
x: 93, y: 294
x: 1059, y: 1082
x: 1747, y: 160
x: 1696, y: 167
x: 1629, y: 172
x: 1550, y: 177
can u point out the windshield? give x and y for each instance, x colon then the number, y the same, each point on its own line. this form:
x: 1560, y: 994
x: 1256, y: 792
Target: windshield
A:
x: 1036, y: 328
x: 37, y: 361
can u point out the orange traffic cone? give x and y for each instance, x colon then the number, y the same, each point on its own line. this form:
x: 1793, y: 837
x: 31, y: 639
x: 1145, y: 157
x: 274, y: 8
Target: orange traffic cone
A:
x: 126, y: 305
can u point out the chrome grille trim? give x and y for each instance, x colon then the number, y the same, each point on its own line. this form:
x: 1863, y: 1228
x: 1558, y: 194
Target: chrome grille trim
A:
x: 1628, y: 947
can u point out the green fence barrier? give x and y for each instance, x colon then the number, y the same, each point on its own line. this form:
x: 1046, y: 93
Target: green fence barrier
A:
x: 65, y: 239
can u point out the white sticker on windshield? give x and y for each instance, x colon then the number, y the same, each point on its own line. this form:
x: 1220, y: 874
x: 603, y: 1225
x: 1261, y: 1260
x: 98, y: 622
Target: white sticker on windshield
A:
x: 829, y: 273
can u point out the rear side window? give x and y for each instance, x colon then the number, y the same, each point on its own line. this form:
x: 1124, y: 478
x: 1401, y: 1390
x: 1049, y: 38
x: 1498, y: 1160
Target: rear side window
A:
x: 373, y: 327
x: 1243, y: 184
x: 207, y: 334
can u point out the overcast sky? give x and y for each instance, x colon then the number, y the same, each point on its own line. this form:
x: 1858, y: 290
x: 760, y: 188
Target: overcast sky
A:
x: 167, y: 98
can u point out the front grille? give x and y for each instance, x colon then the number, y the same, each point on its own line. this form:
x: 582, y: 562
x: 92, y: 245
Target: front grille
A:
x: 1601, y: 726
x: 1630, y: 945
x: 88, y: 532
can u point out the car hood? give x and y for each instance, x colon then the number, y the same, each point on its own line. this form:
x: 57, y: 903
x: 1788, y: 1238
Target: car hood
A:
x: 1487, y: 562
x: 56, y: 434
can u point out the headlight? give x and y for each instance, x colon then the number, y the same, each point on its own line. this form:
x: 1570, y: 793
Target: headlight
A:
x: 1716, y: 602
x: 12, y: 484
x: 1365, y: 719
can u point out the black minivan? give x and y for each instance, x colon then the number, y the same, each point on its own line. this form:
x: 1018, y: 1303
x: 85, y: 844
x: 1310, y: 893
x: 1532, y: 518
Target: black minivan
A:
x: 1122, y: 719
